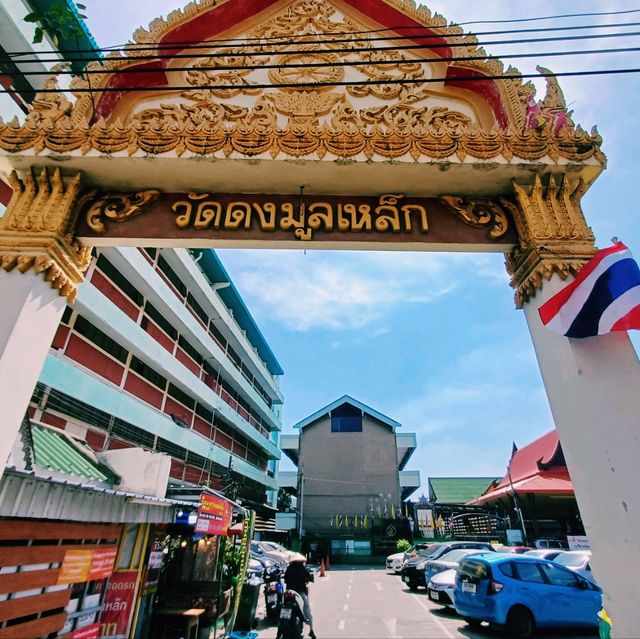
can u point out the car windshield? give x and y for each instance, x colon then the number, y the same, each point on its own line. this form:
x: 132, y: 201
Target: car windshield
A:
x: 457, y: 555
x: 430, y: 550
x: 572, y: 560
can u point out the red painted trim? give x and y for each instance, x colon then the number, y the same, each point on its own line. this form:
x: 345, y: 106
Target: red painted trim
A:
x: 486, y: 89
x: 87, y: 355
x: 5, y: 192
x: 53, y: 420
x: 143, y: 390
x: 61, y: 337
x: 112, y: 292
x: 223, y: 17
x: 109, y: 100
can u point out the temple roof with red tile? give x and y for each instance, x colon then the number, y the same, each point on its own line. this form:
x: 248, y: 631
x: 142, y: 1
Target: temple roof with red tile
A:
x: 539, y: 467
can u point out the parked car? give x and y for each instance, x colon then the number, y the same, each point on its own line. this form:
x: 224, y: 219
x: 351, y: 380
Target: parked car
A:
x: 260, y: 550
x: 523, y: 593
x: 516, y: 550
x: 413, y: 569
x: 395, y: 561
x: 447, y: 561
x: 440, y: 588
x: 542, y: 553
x: 290, y: 554
x: 577, y: 560
x: 254, y: 569
x: 551, y: 543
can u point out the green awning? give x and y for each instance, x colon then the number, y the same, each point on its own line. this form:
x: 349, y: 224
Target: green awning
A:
x: 55, y: 452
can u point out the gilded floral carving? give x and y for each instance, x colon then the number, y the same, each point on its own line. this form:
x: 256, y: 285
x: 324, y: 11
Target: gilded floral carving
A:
x: 314, y: 121
x: 554, y: 235
x: 37, y: 230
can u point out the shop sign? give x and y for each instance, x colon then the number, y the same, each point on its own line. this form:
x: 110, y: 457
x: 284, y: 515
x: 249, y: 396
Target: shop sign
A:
x: 156, y: 555
x: 75, y: 567
x: 118, y: 604
x: 79, y: 566
x: 90, y: 632
x: 578, y: 542
x: 102, y: 563
x: 214, y: 516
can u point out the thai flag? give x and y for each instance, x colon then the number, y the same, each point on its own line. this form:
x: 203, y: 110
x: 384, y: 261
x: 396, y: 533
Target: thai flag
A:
x: 604, y: 297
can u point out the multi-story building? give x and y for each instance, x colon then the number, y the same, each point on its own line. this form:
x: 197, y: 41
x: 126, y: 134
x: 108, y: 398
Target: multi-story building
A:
x: 351, y: 479
x: 160, y: 352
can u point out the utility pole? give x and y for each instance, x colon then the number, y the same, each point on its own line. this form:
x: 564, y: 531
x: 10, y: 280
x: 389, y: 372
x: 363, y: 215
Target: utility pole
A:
x: 516, y: 505
x: 301, y: 504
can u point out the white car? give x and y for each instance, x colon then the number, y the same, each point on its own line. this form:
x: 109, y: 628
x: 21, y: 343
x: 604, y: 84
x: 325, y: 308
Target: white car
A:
x: 440, y: 588
x: 577, y: 560
x: 394, y: 562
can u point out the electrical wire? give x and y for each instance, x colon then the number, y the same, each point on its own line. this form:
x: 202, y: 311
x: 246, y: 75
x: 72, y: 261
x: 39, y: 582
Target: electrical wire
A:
x: 244, y: 41
x: 436, y: 44
x: 313, y: 85
x: 343, y: 63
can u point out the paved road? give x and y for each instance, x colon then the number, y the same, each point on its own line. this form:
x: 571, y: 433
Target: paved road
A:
x: 354, y: 602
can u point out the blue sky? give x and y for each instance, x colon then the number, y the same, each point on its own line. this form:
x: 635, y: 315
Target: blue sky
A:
x: 433, y: 340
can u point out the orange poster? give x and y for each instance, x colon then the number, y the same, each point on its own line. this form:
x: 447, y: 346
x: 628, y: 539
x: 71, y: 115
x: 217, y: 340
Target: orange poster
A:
x: 75, y: 567
x: 102, y: 563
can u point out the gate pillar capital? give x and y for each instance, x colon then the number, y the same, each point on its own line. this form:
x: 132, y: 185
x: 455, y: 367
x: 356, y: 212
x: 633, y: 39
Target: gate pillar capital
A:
x: 553, y: 234
x: 37, y: 231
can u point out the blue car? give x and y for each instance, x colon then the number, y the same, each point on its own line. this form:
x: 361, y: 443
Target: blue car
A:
x: 524, y: 593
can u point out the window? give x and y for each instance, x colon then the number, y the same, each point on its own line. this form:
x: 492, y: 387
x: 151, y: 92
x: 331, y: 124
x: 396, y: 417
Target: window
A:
x: 197, y: 309
x: 148, y: 373
x: 507, y: 570
x: 181, y: 396
x: 190, y: 350
x: 559, y: 576
x: 205, y: 413
x: 346, y: 419
x: 159, y: 319
x: 529, y: 572
x: 100, y: 339
x: 119, y: 280
x: 172, y: 276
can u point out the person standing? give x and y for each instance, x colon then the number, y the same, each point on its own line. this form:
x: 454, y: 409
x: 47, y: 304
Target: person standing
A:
x: 297, y: 576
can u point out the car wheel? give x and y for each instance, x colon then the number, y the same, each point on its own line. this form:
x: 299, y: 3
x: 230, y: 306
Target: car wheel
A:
x: 474, y: 623
x: 520, y: 622
x: 413, y: 585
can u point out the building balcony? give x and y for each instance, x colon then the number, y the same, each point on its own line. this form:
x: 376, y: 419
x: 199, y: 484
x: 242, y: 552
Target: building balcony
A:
x: 409, y: 482
x: 405, y: 444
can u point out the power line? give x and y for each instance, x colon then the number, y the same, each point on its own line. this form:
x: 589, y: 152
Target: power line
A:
x: 433, y: 41
x: 556, y: 17
x: 362, y: 32
x: 341, y: 63
x: 312, y: 85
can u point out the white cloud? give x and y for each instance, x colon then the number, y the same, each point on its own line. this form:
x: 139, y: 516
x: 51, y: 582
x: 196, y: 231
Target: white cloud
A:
x: 347, y: 291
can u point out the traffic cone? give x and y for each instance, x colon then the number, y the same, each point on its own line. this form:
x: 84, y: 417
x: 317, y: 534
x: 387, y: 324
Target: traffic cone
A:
x: 322, y: 568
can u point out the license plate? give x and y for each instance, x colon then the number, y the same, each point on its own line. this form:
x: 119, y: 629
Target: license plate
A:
x: 468, y: 587
x: 285, y: 613
x: 434, y: 595
x: 272, y: 598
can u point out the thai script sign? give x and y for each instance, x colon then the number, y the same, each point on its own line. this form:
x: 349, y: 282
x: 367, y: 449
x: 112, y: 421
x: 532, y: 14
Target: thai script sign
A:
x: 578, y: 542
x: 86, y: 565
x: 214, y: 515
x: 118, y: 604
x: 205, y: 219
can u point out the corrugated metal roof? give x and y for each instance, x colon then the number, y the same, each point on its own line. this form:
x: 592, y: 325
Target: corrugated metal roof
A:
x: 55, y: 452
x: 457, y: 490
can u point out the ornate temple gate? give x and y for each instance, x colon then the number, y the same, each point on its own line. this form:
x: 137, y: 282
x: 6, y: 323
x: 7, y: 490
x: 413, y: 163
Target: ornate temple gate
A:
x: 408, y: 142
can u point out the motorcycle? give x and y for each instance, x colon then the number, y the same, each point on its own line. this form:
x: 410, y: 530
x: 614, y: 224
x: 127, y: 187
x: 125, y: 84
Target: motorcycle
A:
x: 273, y: 598
x: 291, y: 624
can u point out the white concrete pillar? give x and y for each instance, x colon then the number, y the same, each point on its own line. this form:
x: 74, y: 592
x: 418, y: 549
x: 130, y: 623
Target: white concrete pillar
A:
x: 593, y: 386
x: 30, y: 313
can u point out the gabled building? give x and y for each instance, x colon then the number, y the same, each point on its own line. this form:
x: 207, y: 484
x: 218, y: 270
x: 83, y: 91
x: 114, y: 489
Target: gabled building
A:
x: 351, y: 468
x: 537, y: 481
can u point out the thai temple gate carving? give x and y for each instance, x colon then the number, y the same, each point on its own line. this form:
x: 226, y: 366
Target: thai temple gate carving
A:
x: 414, y: 139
